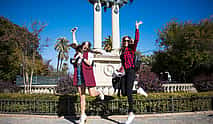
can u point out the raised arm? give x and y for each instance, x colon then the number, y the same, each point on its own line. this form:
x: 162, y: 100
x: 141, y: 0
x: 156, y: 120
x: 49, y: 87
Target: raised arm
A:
x: 137, y: 24
x: 74, y: 36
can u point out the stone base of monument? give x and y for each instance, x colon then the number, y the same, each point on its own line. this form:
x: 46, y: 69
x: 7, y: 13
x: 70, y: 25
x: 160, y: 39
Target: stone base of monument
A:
x: 104, y: 66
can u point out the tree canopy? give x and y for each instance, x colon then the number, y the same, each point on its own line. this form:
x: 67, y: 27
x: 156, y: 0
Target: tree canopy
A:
x: 185, y: 49
x: 17, y: 43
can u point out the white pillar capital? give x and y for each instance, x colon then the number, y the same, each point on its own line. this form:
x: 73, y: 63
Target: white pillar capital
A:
x: 97, y: 26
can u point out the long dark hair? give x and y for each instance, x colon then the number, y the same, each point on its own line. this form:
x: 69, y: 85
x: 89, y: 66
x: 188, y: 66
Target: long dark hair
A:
x: 89, y: 47
x: 130, y: 46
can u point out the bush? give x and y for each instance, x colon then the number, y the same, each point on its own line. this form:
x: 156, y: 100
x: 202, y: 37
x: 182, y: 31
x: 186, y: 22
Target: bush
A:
x: 65, y: 86
x: 8, y: 87
x: 20, y: 96
x: 148, y: 80
x: 204, y: 85
x: 70, y: 104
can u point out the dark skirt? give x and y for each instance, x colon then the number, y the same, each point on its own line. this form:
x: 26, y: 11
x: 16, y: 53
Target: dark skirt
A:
x: 80, y: 79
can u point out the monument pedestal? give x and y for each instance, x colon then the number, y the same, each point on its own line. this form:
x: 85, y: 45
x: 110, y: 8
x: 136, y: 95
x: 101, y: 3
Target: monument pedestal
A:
x: 104, y: 66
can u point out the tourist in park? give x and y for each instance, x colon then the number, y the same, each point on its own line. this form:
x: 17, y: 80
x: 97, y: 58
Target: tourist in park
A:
x: 127, y: 59
x: 83, y: 73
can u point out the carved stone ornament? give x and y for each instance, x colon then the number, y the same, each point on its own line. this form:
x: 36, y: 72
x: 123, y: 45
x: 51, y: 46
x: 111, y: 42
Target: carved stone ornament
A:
x: 116, y: 10
x: 97, y: 8
x: 108, y: 70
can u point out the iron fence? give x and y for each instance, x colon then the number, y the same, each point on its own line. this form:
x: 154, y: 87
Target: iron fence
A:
x: 69, y: 106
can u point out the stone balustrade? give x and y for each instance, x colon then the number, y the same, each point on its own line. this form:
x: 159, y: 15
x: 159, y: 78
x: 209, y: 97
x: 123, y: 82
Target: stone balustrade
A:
x: 41, y: 89
x: 108, y: 90
x: 179, y: 87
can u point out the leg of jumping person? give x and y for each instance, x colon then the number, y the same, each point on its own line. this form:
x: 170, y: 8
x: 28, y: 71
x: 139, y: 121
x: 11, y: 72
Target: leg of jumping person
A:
x: 130, y: 77
x: 83, y: 116
x: 94, y: 92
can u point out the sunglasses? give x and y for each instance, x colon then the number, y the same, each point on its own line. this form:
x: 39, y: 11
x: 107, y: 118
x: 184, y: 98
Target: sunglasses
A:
x: 126, y: 40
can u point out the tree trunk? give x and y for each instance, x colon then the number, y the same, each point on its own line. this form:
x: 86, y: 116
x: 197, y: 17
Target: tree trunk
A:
x: 27, y: 81
x: 32, y: 70
x: 61, y: 64
x: 31, y: 80
x: 25, y: 88
x: 23, y: 73
x: 59, y: 55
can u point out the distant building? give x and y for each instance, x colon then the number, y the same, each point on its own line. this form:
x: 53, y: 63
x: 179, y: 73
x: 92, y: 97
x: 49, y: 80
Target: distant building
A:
x: 40, y: 84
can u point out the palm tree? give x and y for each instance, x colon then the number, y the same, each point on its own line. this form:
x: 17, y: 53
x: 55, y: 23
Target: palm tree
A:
x: 107, y: 44
x: 62, y: 48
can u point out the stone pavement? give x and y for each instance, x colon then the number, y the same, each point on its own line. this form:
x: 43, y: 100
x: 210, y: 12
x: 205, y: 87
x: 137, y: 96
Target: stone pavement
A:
x: 170, y: 118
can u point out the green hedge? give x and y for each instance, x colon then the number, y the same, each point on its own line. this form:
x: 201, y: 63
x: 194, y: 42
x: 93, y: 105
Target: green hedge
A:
x: 69, y: 104
x: 18, y: 96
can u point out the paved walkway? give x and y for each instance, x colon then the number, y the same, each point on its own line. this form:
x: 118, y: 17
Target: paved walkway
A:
x: 173, y: 118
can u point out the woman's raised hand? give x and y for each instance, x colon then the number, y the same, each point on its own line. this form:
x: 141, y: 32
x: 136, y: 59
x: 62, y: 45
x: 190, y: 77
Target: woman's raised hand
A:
x: 74, y: 29
x: 137, y: 24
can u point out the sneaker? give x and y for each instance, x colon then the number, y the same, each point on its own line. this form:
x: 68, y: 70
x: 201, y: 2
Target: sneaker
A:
x: 142, y: 92
x: 83, y: 119
x: 131, y: 117
x: 101, y: 95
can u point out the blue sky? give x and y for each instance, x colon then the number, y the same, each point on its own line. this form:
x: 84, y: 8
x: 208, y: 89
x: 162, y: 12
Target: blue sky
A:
x: 61, y: 15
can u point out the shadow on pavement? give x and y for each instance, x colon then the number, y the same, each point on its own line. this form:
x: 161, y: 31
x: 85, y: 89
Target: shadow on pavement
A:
x: 109, y: 119
x: 210, y: 115
x: 66, y: 108
x: 66, y: 105
x: 72, y: 119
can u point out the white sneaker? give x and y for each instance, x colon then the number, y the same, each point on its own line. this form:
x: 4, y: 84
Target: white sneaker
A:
x: 131, y: 117
x: 142, y: 92
x: 83, y: 119
x: 101, y: 95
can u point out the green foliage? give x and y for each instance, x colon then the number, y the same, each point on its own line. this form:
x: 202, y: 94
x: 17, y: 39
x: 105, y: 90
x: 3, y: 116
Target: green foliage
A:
x: 107, y: 44
x: 147, y: 59
x: 184, y: 47
x: 18, y: 96
x: 17, y: 47
x: 62, y: 47
x: 10, y: 51
x: 69, y: 104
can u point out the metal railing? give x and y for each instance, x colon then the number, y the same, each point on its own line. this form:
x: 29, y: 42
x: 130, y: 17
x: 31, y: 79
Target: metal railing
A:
x: 117, y: 106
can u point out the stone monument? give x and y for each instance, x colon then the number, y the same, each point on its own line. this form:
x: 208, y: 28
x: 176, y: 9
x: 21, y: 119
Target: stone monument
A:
x: 105, y: 65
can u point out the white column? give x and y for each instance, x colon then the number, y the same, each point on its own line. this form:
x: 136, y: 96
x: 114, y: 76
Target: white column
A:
x: 97, y: 26
x: 115, y: 28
